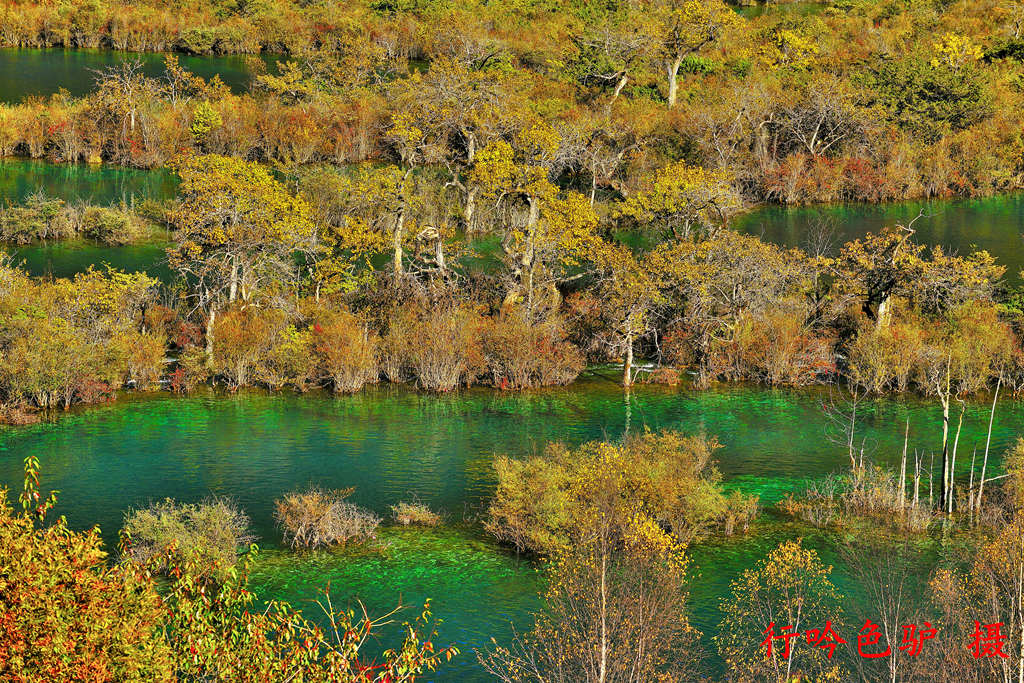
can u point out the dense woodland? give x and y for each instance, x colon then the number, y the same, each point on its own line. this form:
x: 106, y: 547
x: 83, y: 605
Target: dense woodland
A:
x: 503, y: 194
x: 862, y: 100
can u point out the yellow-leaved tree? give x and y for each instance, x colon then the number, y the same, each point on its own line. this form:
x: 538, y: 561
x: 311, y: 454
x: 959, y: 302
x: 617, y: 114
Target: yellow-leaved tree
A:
x: 681, y: 200
x: 547, y: 232
x: 237, y: 231
x: 790, y: 591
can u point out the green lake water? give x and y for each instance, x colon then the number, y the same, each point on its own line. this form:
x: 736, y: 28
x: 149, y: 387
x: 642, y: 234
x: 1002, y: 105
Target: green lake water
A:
x: 43, y: 72
x: 102, y: 184
x: 993, y: 223
x: 394, y: 444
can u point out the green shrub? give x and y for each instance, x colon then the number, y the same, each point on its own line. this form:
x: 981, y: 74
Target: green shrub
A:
x: 110, y: 225
x: 542, y: 500
x: 289, y: 362
x: 211, y: 532
x: 39, y: 218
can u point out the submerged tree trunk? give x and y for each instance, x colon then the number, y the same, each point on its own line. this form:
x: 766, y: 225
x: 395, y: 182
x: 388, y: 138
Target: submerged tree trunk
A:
x: 903, y: 468
x: 952, y: 459
x: 944, y: 400
x: 988, y: 442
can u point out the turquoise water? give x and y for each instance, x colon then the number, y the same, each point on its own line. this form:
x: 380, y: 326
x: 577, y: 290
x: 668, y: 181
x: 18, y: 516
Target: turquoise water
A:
x: 393, y: 444
x: 43, y: 72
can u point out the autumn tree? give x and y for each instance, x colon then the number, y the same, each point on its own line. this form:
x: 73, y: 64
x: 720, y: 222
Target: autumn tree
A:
x: 789, y: 591
x: 547, y: 231
x: 615, y: 607
x: 712, y: 285
x: 628, y: 294
x: 889, y: 263
x: 237, y: 231
x: 962, y: 353
x: 613, y: 45
x: 684, y: 27
x: 459, y: 107
x: 682, y: 201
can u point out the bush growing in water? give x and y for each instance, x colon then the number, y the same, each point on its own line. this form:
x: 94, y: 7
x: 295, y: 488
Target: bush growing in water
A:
x: 539, y: 499
x: 415, y: 514
x: 864, y: 493
x: 110, y: 225
x: 39, y: 218
x: 345, y: 350
x: 316, y: 518
x: 97, y: 622
x: 438, y: 348
x: 211, y: 533
x: 521, y: 355
x: 46, y: 218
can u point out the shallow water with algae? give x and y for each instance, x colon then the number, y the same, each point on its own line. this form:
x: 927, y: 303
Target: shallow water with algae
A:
x: 394, y: 444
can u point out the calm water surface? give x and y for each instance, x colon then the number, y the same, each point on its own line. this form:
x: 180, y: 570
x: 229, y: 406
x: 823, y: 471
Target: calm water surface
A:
x: 995, y: 223
x: 393, y: 444
x: 43, y: 72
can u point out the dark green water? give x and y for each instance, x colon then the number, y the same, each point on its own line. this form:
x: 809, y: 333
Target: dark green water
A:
x: 102, y: 184
x: 43, y: 72
x: 995, y: 224
x: 393, y: 444
x: 66, y: 259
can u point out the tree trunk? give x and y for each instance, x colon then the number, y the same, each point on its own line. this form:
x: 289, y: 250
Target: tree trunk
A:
x: 527, y: 262
x: 903, y: 468
x: 627, y: 363
x: 439, y: 252
x: 603, y: 670
x: 209, y: 335
x: 619, y: 87
x: 952, y: 459
x: 882, y: 316
x: 673, y: 78
x: 988, y: 442
x: 233, y: 291
x: 396, y: 241
x: 944, y: 399
x: 469, y: 211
